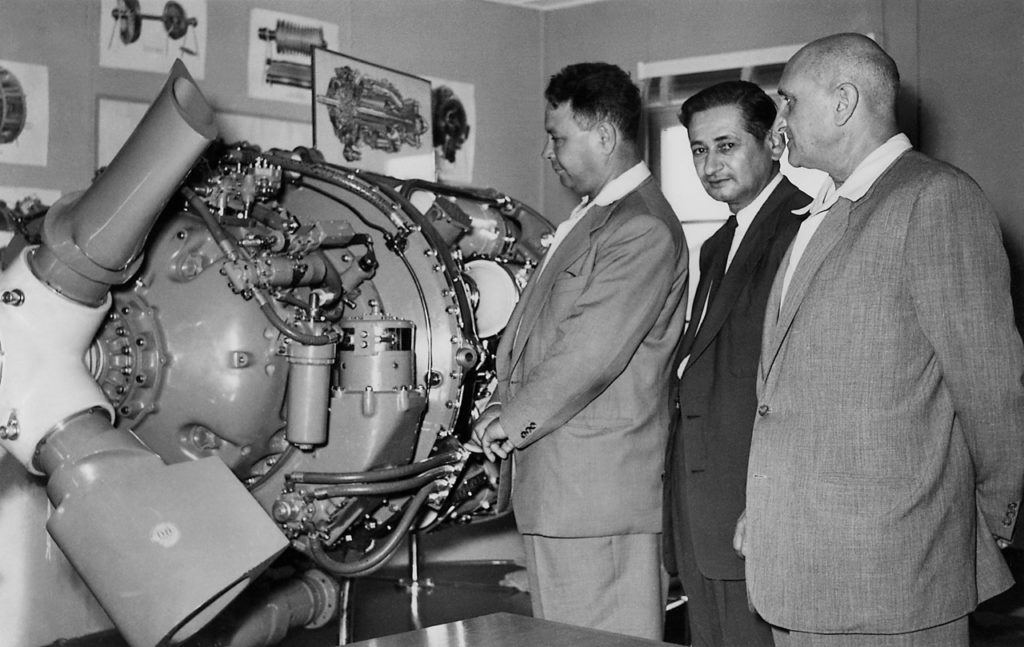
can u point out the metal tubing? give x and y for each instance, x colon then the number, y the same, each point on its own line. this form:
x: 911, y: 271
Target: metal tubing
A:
x: 374, y: 476
x: 389, y: 487
x: 379, y: 555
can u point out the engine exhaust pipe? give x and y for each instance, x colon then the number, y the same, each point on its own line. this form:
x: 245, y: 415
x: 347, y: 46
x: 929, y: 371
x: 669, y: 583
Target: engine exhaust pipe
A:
x: 93, y: 240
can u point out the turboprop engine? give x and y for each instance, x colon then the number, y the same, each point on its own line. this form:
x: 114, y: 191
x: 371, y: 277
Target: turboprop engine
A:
x: 222, y: 357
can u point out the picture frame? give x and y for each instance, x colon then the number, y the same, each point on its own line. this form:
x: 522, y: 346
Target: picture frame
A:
x: 371, y: 117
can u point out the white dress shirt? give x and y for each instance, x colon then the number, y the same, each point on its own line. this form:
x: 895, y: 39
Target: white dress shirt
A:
x: 855, y: 187
x: 745, y: 216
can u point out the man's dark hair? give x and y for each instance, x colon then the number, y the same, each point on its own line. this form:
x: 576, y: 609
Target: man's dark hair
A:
x: 757, y: 108
x: 598, y: 92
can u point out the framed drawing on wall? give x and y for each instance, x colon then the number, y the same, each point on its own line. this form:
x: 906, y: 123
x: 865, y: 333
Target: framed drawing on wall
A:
x: 453, y: 122
x: 371, y: 117
x: 24, y: 113
x: 280, y: 47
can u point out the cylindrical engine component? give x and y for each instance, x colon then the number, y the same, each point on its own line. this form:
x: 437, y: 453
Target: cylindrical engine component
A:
x: 93, y: 240
x: 309, y: 601
x: 309, y: 390
x: 377, y: 354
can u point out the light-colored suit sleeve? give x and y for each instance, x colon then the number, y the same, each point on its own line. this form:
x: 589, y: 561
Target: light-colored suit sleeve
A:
x: 959, y: 281
x: 617, y: 305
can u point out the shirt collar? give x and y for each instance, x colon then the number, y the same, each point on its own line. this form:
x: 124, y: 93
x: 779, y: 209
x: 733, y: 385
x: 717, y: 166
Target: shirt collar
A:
x: 619, y: 187
x: 746, y: 215
x: 860, y: 181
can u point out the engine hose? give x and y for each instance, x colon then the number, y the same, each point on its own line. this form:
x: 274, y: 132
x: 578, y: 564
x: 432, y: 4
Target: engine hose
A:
x: 384, y: 199
x: 331, y: 278
x: 281, y: 461
x: 349, y: 181
x: 288, y: 330
x: 227, y: 245
x: 389, y: 487
x: 220, y: 236
x: 375, y: 476
x: 379, y: 555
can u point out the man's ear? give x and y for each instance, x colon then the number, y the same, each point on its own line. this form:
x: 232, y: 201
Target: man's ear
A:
x: 607, y: 136
x: 846, y: 98
x: 776, y: 143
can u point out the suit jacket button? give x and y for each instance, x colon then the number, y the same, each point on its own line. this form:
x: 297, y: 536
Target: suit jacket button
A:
x: 763, y: 410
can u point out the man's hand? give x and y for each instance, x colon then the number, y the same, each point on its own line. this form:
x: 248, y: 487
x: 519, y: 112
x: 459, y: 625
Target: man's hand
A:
x: 490, y: 412
x: 489, y: 436
x: 739, y: 544
x: 739, y: 537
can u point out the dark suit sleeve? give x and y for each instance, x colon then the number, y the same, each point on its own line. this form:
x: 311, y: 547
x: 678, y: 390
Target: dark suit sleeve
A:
x: 621, y: 299
x: 960, y: 289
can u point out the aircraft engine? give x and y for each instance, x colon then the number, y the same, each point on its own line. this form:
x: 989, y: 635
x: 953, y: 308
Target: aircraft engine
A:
x: 324, y: 333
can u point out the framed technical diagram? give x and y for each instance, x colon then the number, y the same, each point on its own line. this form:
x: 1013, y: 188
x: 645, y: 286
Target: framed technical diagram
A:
x: 280, y: 49
x: 372, y: 117
x: 149, y: 35
x: 24, y: 113
x: 453, y: 106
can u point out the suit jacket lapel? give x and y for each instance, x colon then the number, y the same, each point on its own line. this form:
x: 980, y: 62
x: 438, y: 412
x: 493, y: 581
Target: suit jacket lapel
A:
x: 771, y: 316
x: 752, y: 248
x: 575, y: 244
x: 829, y: 232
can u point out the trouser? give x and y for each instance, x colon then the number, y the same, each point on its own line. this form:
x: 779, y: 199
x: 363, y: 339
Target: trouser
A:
x: 719, y: 613
x: 614, y: 583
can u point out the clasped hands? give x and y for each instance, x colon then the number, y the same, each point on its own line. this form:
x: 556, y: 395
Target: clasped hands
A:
x: 489, y: 436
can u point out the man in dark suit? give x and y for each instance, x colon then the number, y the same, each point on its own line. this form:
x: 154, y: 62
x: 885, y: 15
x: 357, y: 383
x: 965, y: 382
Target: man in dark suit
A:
x: 584, y: 368
x: 886, y: 461
x: 736, y: 156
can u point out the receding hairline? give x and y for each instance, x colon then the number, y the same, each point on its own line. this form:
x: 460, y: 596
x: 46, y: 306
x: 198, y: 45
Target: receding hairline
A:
x: 851, y: 57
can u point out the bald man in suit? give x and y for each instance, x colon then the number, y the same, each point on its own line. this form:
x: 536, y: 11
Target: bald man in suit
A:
x: 584, y: 368
x: 736, y: 156
x: 886, y: 462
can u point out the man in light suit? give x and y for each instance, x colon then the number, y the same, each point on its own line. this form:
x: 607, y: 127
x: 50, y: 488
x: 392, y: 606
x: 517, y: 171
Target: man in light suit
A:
x: 736, y: 155
x: 584, y: 368
x: 886, y: 462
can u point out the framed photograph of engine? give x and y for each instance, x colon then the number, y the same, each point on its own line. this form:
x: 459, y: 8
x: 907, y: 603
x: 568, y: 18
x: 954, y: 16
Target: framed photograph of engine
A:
x: 371, y: 117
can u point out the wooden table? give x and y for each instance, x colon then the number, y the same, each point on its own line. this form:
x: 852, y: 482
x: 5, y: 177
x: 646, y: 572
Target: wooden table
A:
x: 506, y: 630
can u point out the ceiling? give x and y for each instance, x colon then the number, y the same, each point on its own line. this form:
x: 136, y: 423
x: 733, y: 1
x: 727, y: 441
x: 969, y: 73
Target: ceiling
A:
x: 546, y: 5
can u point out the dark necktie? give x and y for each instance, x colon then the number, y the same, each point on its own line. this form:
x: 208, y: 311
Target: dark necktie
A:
x: 708, y: 284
